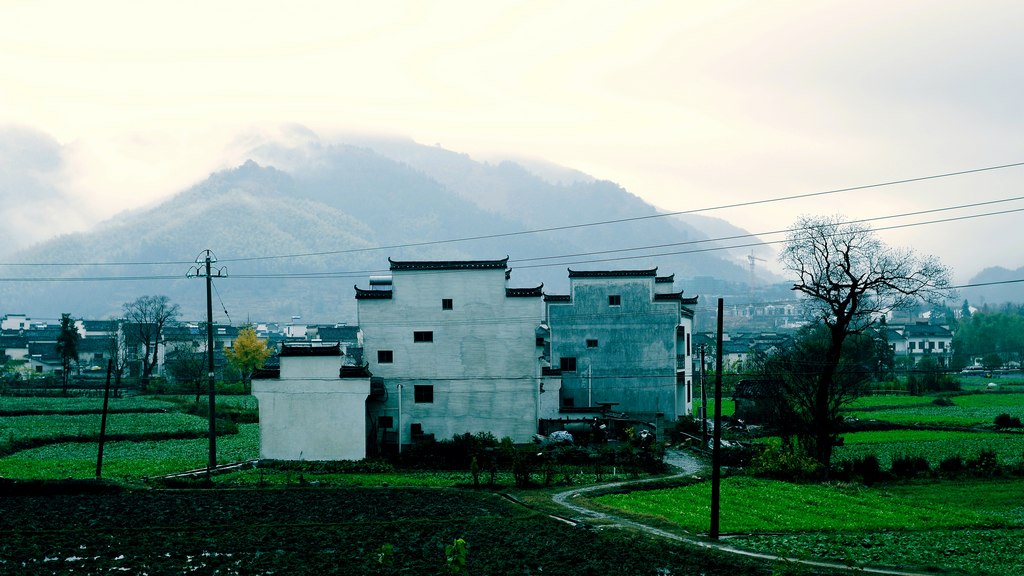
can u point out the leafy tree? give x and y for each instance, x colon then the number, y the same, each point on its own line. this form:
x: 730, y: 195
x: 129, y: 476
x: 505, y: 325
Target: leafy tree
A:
x: 186, y: 364
x: 248, y: 354
x: 989, y: 334
x: 67, y: 348
x: 796, y: 369
x: 147, y: 317
x: 849, y: 278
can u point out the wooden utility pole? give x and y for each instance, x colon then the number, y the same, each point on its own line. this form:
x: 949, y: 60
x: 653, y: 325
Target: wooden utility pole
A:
x: 203, y: 269
x: 716, y: 450
x: 103, y: 419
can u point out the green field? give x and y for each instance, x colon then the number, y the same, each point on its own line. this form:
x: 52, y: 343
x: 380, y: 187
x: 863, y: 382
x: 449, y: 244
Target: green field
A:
x: 892, y: 525
x: 932, y: 445
x: 129, y: 460
x: 967, y: 410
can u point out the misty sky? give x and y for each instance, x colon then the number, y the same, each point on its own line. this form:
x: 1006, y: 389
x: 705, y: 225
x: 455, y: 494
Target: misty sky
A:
x: 689, y: 104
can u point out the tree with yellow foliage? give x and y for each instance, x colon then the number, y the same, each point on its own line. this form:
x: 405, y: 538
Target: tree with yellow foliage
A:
x: 247, y: 355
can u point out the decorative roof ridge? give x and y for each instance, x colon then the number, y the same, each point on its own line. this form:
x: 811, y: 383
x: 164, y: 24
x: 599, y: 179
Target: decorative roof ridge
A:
x: 557, y: 298
x: 311, y: 349
x: 691, y: 300
x: 362, y: 294
x: 525, y: 292
x: 669, y: 296
x: 408, y: 265
x: 653, y: 272
x: 665, y: 279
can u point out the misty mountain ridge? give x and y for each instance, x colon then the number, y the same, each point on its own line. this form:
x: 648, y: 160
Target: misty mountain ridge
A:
x: 298, y: 225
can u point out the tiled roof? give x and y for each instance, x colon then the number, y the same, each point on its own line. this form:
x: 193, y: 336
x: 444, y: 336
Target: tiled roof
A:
x: 677, y: 296
x: 524, y: 292
x: 920, y: 330
x: 653, y: 272
x: 665, y: 279
x: 311, y: 349
x: 557, y: 298
x: 372, y: 294
x: 449, y: 264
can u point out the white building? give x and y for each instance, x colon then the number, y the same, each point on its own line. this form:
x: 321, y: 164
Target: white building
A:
x: 452, y: 349
x: 314, y: 410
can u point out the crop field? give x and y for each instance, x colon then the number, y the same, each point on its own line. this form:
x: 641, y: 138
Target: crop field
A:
x: 87, y: 426
x: 129, y: 460
x: 313, y: 532
x: 904, y: 525
x: 967, y: 410
x: 51, y: 405
x: 50, y: 437
x: 932, y: 445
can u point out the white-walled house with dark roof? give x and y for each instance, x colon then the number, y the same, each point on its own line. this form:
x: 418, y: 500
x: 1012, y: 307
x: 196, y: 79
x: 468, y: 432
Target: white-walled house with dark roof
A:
x: 453, y: 348
x: 450, y: 347
x: 622, y: 338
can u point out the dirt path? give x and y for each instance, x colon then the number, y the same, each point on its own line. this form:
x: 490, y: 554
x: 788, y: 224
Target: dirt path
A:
x: 688, y: 464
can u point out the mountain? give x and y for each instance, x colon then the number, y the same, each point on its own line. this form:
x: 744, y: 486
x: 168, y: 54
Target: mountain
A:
x: 997, y: 292
x: 297, y: 225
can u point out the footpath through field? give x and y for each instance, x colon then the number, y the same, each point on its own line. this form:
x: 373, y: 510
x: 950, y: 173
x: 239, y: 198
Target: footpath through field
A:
x: 688, y: 464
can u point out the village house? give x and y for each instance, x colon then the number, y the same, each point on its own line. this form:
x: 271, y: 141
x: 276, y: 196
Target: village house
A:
x: 919, y: 339
x: 452, y: 349
x: 449, y: 347
x: 622, y: 340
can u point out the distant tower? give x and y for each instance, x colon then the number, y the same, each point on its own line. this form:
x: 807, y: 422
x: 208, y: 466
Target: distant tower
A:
x: 752, y: 259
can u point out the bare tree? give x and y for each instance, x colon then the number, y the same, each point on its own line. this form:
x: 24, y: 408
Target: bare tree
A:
x: 147, y: 316
x: 850, y: 278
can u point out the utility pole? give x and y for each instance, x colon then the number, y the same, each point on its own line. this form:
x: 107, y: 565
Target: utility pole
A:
x: 203, y: 269
x: 716, y: 449
x: 703, y: 400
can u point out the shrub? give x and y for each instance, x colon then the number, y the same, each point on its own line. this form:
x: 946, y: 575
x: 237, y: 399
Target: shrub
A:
x: 985, y: 464
x: 953, y: 466
x: 783, y: 463
x: 943, y: 401
x: 1007, y: 421
x: 910, y: 467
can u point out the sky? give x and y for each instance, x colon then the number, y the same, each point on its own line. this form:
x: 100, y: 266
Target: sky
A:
x: 108, y: 106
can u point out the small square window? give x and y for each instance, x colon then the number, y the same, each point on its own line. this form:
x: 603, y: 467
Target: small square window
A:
x: 567, y: 363
x: 568, y: 402
x: 385, y: 356
x: 591, y: 343
x: 385, y: 422
x: 614, y: 300
x: 423, y: 394
x: 423, y: 336
x: 416, y: 429
x: 446, y: 304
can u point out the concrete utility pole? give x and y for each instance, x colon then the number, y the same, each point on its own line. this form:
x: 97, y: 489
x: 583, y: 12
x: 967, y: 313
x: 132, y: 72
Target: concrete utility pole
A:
x: 716, y: 449
x: 703, y: 400
x: 203, y: 269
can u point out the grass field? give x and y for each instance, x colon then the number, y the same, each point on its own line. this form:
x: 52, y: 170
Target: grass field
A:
x: 932, y: 445
x: 907, y: 525
x: 967, y: 410
x: 129, y: 460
